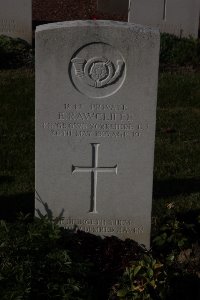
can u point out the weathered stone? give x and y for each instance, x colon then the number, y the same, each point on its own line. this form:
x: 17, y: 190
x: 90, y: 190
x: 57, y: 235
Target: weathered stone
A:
x: 96, y: 90
x: 16, y: 19
x: 179, y: 17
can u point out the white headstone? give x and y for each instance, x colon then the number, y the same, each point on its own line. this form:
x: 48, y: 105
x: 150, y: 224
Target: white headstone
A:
x: 113, y: 6
x: 179, y: 17
x: 16, y: 19
x: 96, y: 91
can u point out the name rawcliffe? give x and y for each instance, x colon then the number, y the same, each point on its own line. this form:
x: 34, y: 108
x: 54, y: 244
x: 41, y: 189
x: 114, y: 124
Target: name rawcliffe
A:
x: 93, y: 116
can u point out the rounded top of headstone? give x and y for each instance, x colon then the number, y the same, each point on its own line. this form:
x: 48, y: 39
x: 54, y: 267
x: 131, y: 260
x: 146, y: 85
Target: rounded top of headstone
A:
x: 97, y: 23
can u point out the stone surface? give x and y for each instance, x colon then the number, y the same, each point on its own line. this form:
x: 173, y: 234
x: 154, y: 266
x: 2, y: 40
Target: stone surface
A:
x: 16, y: 19
x: 96, y: 91
x: 179, y: 17
x: 113, y: 6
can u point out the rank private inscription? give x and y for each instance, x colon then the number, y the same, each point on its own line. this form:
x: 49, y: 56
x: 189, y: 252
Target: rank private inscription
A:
x: 99, y: 75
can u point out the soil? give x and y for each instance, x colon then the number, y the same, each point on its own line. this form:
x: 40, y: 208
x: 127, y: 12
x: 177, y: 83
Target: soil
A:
x: 64, y: 10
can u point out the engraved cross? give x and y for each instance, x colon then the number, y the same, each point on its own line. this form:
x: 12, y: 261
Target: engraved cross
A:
x: 164, y: 10
x: 94, y: 170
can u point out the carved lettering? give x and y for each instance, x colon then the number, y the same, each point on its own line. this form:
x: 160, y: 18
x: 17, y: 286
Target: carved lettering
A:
x: 91, y: 116
x: 10, y: 25
x: 111, y: 107
x: 96, y: 120
x: 103, y: 226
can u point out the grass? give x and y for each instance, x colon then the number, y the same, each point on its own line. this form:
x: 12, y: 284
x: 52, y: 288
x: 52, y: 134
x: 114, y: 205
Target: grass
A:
x: 16, y: 139
x: 177, y: 155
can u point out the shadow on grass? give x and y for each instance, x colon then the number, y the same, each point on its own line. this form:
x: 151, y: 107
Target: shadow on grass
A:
x: 6, y: 179
x: 185, y: 288
x: 11, y: 206
x: 174, y: 187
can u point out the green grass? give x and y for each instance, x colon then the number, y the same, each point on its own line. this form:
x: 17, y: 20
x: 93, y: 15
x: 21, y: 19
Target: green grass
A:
x: 177, y: 152
x: 16, y: 132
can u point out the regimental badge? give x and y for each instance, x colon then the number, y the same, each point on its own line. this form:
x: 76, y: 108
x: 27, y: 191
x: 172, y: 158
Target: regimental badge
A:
x: 97, y: 72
